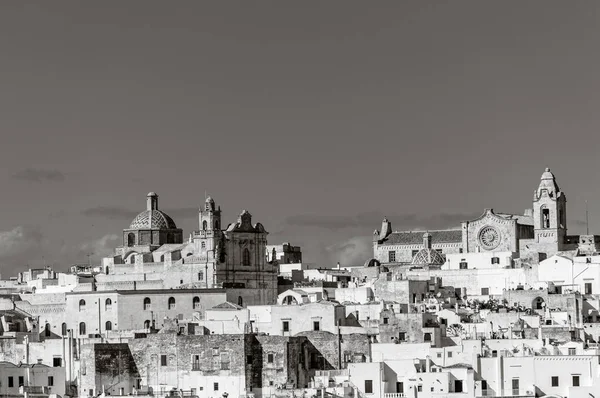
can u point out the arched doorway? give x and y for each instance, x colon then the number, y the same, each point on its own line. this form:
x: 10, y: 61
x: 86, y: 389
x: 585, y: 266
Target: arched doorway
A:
x: 537, y: 303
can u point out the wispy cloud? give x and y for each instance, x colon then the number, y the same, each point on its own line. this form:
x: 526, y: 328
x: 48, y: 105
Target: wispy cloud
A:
x: 101, y: 247
x: 39, y: 175
x: 19, y: 241
x: 353, y: 251
x: 112, y: 213
x: 121, y: 213
x: 373, y: 219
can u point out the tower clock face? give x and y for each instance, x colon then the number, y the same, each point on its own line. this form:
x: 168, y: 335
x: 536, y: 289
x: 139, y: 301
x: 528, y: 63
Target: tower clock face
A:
x: 489, y: 238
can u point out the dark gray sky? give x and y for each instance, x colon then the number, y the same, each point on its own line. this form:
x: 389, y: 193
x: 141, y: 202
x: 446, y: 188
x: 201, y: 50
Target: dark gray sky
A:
x: 317, y: 117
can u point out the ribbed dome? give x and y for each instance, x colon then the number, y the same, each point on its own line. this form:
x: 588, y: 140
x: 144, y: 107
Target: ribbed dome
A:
x: 428, y: 257
x: 152, y: 219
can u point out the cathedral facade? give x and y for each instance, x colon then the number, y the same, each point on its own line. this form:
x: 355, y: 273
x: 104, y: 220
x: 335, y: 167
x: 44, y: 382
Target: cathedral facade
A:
x: 538, y: 233
x: 153, y: 251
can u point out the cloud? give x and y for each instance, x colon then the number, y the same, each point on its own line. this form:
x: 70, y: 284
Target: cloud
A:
x: 99, y: 248
x: 373, y: 219
x: 120, y: 213
x: 112, y: 213
x: 19, y: 241
x: 39, y: 175
x: 18, y: 247
x: 353, y: 251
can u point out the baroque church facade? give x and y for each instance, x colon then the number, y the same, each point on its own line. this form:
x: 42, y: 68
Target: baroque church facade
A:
x: 537, y: 234
x: 234, y: 257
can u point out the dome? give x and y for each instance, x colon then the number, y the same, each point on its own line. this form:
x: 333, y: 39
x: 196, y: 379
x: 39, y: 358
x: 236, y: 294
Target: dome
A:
x: 428, y: 257
x: 152, y: 219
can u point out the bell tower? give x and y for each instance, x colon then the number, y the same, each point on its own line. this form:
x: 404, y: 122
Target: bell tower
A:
x: 209, y: 220
x: 549, y: 215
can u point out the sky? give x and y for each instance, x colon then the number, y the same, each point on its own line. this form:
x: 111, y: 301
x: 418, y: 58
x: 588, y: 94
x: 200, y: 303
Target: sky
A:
x: 320, y: 118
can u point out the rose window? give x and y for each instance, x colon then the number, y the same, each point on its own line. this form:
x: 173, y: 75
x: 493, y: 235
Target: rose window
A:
x: 489, y: 238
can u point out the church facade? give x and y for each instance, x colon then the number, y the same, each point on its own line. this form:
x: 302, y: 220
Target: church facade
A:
x: 154, y: 255
x: 537, y: 234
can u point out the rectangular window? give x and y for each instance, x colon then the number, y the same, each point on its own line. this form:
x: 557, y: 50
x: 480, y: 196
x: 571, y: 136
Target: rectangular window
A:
x: 11, y: 382
x: 50, y: 381
x: 449, y: 354
x: 484, y: 385
x: 400, y: 387
x: 316, y: 326
x: 215, y: 351
x: 391, y: 256
x: 286, y: 326
x: 420, y: 388
x: 588, y: 288
x: 439, y: 354
x: 402, y: 336
x: 216, y: 386
x: 575, y: 380
x: 249, y: 359
x: 495, y: 260
x: 572, y: 351
x: 458, y: 386
x: 163, y: 360
x: 196, y: 362
x: 21, y: 381
x: 555, y: 381
x: 463, y: 265
x: 385, y: 321
x: 414, y: 253
x: 485, y: 291
x: 270, y: 358
x: 57, y: 362
x: 200, y: 275
x: 515, y: 386
x: 224, y: 361
x: 368, y: 386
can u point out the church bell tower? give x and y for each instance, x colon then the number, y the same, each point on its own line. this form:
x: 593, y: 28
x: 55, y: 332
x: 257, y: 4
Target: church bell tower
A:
x: 549, y: 215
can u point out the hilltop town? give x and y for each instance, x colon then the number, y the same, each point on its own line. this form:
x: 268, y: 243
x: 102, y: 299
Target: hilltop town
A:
x: 503, y: 305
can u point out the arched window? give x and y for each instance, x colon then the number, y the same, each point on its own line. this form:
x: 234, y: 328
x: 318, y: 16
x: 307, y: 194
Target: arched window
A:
x: 204, y: 225
x: 130, y: 239
x: 147, y: 304
x: 82, y: 328
x: 427, y: 337
x: 545, y: 217
x: 81, y: 305
x: 147, y: 324
x: 171, y: 303
x: 108, y: 325
x: 108, y: 304
x: 246, y: 257
x: 240, y: 301
x: 63, y: 329
x: 196, y: 302
x: 47, y: 331
x: 217, y: 226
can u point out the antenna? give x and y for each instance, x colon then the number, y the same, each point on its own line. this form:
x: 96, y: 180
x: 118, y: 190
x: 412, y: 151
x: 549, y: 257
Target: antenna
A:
x: 587, y: 221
